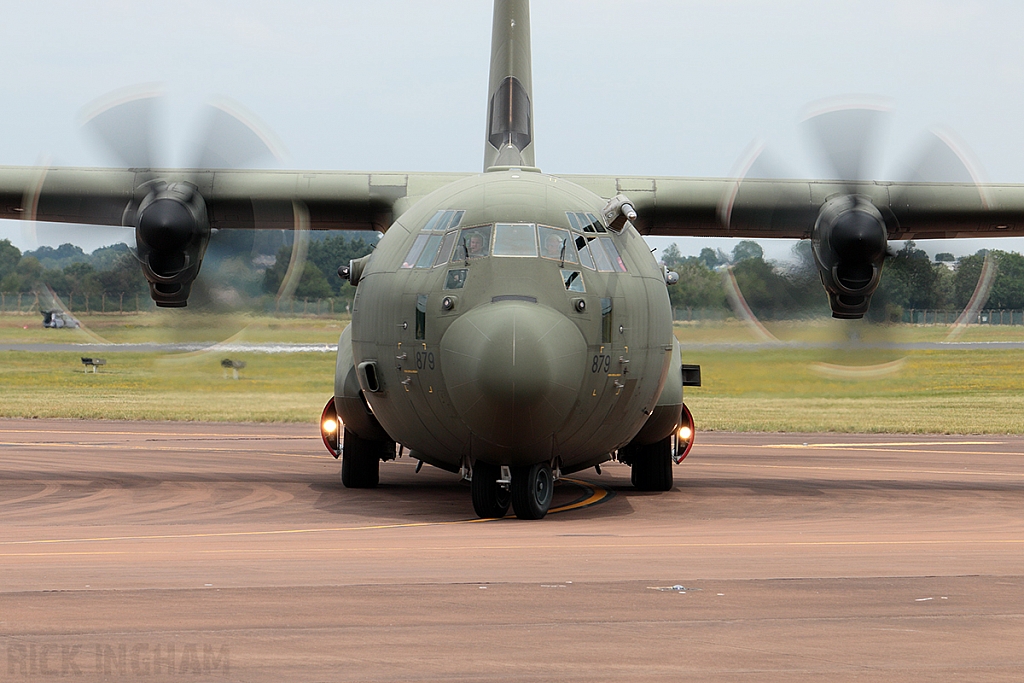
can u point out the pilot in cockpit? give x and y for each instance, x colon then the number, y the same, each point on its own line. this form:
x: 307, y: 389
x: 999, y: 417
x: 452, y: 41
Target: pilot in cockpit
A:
x: 553, y: 246
x: 476, y: 245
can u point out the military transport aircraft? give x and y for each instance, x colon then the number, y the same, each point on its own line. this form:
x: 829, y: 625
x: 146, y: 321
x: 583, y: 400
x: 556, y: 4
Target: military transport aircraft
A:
x: 511, y: 325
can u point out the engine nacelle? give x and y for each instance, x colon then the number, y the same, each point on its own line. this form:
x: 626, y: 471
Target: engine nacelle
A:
x: 850, y: 241
x: 172, y: 231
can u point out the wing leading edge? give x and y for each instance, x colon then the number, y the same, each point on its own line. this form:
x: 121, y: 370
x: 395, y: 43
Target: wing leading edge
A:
x: 722, y: 207
x: 334, y: 200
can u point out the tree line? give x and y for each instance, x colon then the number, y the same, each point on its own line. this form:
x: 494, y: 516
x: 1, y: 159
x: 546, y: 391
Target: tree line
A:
x: 910, y: 280
x: 231, y: 271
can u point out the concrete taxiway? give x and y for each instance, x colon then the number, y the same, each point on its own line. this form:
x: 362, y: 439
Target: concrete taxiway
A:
x: 233, y: 552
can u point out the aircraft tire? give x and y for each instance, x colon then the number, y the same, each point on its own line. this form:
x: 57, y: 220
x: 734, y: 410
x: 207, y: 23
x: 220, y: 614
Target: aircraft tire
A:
x: 360, y: 462
x: 652, y: 466
x: 490, y: 500
x: 532, y: 490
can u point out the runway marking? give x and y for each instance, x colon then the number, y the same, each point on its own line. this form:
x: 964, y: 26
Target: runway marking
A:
x: 812, y: 447
x: 597, y: 494
x: 856, y: 469
x: 920, y: 450
x: 81, y: 432
x: 519, y: 547
x: 237, y: 534
x: 884, y: 443
x: 149, y: 449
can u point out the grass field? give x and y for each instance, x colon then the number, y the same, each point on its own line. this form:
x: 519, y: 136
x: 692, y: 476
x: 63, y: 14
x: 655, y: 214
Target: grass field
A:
x: 947, y: 391
x: 146, y: 386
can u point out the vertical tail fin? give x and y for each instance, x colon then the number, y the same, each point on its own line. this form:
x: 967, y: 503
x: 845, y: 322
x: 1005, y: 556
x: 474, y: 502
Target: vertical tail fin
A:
x: 510, y: 112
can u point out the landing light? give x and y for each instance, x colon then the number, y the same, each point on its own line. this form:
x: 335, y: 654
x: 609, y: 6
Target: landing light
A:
x: 329, y: 427
x: 684, y: 437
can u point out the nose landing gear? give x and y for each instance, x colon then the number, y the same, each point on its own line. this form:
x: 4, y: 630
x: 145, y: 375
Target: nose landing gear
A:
x: 529, y: 492
x: 532, y: 490
x: 491, y: 497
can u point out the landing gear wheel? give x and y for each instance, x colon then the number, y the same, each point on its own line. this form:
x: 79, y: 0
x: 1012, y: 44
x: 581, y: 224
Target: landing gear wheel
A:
x: 490, y: 499
x: 652, y: 466
x: 532, y: 489
x: 360, y: 462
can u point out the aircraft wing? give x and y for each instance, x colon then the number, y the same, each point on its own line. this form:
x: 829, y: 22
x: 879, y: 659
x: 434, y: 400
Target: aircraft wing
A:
x: 752, y: 208
x: 335, y: 200
x: 666, y: 206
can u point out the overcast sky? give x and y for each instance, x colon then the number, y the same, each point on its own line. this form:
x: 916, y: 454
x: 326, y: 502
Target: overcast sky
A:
x: 671, y: 87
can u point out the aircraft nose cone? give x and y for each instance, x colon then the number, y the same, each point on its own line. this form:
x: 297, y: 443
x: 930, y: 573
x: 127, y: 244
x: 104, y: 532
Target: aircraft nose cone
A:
x: 513, y: 370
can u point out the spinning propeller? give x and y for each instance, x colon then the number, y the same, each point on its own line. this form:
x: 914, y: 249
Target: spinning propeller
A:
x: 172, y: 219
x: 849, y: 238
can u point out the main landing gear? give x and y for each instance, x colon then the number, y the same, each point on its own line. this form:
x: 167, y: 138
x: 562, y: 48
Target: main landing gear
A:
x: 651, y: 464
x: 529, y: 492
x: 360, y: 461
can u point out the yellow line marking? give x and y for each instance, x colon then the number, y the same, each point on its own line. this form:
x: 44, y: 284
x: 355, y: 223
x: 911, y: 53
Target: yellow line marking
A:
x: 597, y: 494
x: 859, y: 469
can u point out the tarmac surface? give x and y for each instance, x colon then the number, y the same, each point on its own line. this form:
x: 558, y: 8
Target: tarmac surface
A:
x: 165, y: 551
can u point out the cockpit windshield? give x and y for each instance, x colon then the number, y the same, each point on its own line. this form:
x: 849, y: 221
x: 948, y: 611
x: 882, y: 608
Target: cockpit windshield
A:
x: 557, y: 244
x: 587, y: 243
x: 515, y: 239
x: 472, y: 243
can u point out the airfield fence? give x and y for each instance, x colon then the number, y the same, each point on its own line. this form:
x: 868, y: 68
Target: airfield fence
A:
x: 122, y: 304
x: 912, y: 316
x: 680, y: 314
x: 987, y: 316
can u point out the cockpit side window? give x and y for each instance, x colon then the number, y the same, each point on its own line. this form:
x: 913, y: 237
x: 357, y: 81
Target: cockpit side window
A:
x: 426, y: 258
x: 451, y: 219
x: 594, y: 222
x: 613, y: 254
x: 573, y: 280
x: 433, y: 221
x: 444, y: 220
x: 604, y: 264
x: 446, y: 248
x: 425, y: 248
x: 586, y: 260
x: 585, y: 222
x: 414, y: 253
